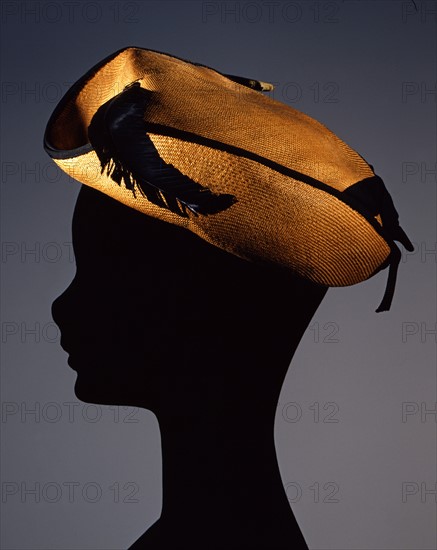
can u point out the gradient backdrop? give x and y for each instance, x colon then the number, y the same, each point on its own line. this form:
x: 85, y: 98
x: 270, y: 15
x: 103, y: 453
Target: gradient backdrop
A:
x: 356, y: 422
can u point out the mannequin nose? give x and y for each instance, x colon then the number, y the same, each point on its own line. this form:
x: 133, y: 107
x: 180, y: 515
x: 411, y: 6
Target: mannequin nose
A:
x: 63, y: 306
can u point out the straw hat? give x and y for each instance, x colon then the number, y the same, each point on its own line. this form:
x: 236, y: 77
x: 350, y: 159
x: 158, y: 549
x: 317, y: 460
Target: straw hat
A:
x: 209, y: 152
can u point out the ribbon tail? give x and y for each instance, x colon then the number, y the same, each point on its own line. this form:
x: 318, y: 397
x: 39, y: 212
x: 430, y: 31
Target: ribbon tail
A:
x: 395, y: 258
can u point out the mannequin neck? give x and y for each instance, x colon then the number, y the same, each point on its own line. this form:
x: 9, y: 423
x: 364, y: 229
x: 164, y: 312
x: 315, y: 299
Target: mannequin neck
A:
x: 221, y: 480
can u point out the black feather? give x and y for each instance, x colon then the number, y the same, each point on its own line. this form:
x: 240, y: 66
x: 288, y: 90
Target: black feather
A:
x: 118, y: 134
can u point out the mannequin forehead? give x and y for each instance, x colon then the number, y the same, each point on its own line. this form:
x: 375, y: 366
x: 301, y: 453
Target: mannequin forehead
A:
x: 110, y: 238
x: 113, y: 241
x: 103, y: 227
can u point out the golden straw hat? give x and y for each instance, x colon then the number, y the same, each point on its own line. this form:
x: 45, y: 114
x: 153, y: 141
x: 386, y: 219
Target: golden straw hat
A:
x: 209, y: 152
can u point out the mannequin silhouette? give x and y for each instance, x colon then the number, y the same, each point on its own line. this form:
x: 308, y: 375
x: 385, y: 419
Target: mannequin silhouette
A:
x: 156, y: 317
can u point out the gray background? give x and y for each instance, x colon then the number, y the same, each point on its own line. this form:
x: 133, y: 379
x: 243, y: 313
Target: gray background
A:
x: 358, y: 473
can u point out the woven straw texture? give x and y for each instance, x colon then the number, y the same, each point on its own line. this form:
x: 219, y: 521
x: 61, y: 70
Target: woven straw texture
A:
x: 276, y: 218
